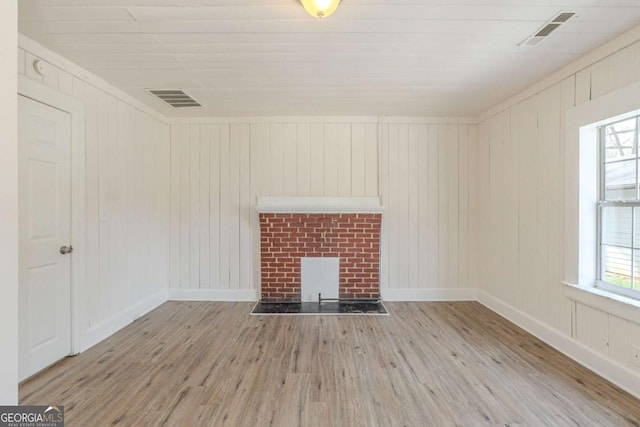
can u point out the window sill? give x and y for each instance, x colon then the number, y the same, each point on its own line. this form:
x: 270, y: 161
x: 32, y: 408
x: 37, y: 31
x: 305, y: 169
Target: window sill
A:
x: 618, y: 305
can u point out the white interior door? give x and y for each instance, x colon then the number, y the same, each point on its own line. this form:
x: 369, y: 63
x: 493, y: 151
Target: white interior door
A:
x: 44, y: 179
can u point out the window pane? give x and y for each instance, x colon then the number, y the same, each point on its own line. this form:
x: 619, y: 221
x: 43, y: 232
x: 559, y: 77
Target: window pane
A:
x: 616, y: 226
x: 636, y: 226
x: 619, y: 140
x: 620, y: 180
x: 616, y: 265
x: 636, y: 269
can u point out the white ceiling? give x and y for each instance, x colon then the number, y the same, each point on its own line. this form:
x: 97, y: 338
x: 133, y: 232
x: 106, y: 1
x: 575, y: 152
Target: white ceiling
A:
x: 371, y: 57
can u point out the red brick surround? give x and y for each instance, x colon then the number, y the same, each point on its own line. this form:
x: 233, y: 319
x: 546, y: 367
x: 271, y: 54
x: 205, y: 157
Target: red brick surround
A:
x: 286, y: 237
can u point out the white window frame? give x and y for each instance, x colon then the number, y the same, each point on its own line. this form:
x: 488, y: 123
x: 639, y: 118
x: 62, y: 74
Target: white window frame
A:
x: 602, y: 203
x: 581, y: 190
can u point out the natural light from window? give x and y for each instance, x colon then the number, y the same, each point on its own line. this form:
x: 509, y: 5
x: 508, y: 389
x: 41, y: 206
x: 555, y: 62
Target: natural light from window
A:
x: 619, y: 208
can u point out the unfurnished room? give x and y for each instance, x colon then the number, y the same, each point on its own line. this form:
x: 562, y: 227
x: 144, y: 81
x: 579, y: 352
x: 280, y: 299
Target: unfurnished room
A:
x: 320, y: 213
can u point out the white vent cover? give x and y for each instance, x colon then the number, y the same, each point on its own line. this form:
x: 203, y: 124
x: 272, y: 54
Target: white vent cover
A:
x: 175, y: 97
x: 549, y: 27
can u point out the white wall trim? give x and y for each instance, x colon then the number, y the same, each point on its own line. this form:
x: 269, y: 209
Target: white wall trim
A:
x: 609, y: 369
x: 220, y: 295
x: 45, y: 95
x: 104, y: 330
x: 61, y: 62
x: 572, y: 68
x: 419, y: 294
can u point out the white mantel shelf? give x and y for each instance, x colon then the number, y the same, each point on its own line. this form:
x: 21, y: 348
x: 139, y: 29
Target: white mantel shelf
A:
x: 269, y: 204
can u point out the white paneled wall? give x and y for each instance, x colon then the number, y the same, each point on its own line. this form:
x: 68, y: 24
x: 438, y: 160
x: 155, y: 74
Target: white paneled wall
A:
x: 127, y: 204
x: 218, y: 170
x: 425, y: 190
x: 520, y: 177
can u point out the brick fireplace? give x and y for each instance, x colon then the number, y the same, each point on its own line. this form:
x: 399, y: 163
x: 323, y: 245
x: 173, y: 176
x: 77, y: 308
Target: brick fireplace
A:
x: 293, y: 228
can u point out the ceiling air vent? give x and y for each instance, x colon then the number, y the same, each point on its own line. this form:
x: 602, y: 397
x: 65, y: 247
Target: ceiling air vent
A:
x: 175, y: 97
x: 549, y: 27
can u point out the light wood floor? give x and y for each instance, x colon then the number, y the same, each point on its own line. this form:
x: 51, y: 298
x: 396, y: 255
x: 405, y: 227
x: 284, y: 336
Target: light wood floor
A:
x: 428, y: 364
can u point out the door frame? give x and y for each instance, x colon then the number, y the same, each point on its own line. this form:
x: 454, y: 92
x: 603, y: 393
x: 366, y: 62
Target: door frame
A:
x: 58, y: 100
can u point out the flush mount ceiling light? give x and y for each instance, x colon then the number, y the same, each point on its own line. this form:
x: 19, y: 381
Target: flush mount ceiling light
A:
x: 320, y: 8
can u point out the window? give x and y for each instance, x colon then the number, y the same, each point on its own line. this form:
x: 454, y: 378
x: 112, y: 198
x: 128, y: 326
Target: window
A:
x: 619, y: 207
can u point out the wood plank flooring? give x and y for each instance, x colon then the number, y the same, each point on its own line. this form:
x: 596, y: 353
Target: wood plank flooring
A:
x: 428, y: 364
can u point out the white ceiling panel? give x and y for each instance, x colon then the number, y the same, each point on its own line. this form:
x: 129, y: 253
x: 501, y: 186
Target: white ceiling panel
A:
x: 372, y: 57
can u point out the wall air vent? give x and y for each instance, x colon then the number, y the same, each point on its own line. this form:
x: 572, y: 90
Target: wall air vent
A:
x: 175, y: 97
x: 549, y: 27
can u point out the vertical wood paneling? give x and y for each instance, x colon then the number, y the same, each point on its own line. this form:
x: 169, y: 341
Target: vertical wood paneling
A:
x: 425, y: 190
x: 402, y: 213
x: 226, y: 214
x: 304, y: 160
x: 633, y: 62
x: 330, y: 159
x: 583, y: 86
x: 88, y: 95
x: 194, y: 206
x: 453, y: 235
x: 254, y: 192
x: 130, y: 204
x: 234, y: 206
x: 185, y: 207
x: 474, y: 208
x: 104, y: 171
x: 262, y: 135
x: 424, y: 236
x: 290, y: 159
x: 413, y: 217
x: 618, y: 70
x: 126, y: 130
x: 358, y: 160
x: 549, y: 124
x: 619, y: 339
x: 276, y: 164
x: 600, y: 78
x: 527, y: 204
x: 215, y: 223
x: 463, y: 207
x: 432, y: 223
x: 175, y: 250
x: 443, y: 207
x: 371, y: 160
x: 385, y: 242
x: 393, y: 217
x: 541, y: 271
x: 317, y: 159
x: 567, y: 100
x: 205, y: 205
x: 533, y: 172
x: 246, y: 257
x: 343, y: 153
x: 116, y: 206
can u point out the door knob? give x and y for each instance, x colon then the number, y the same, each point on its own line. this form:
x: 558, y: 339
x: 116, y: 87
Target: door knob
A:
x: 66, y: 249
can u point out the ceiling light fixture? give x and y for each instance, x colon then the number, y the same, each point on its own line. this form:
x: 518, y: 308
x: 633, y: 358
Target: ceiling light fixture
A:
x: 320, y: 8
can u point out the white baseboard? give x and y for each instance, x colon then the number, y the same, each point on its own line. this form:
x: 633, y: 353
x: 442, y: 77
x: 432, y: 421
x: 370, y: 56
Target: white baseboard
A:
x: 607, y: 368
x: 104, y: 330
x: 418, y: 294
x: 229, y: 295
